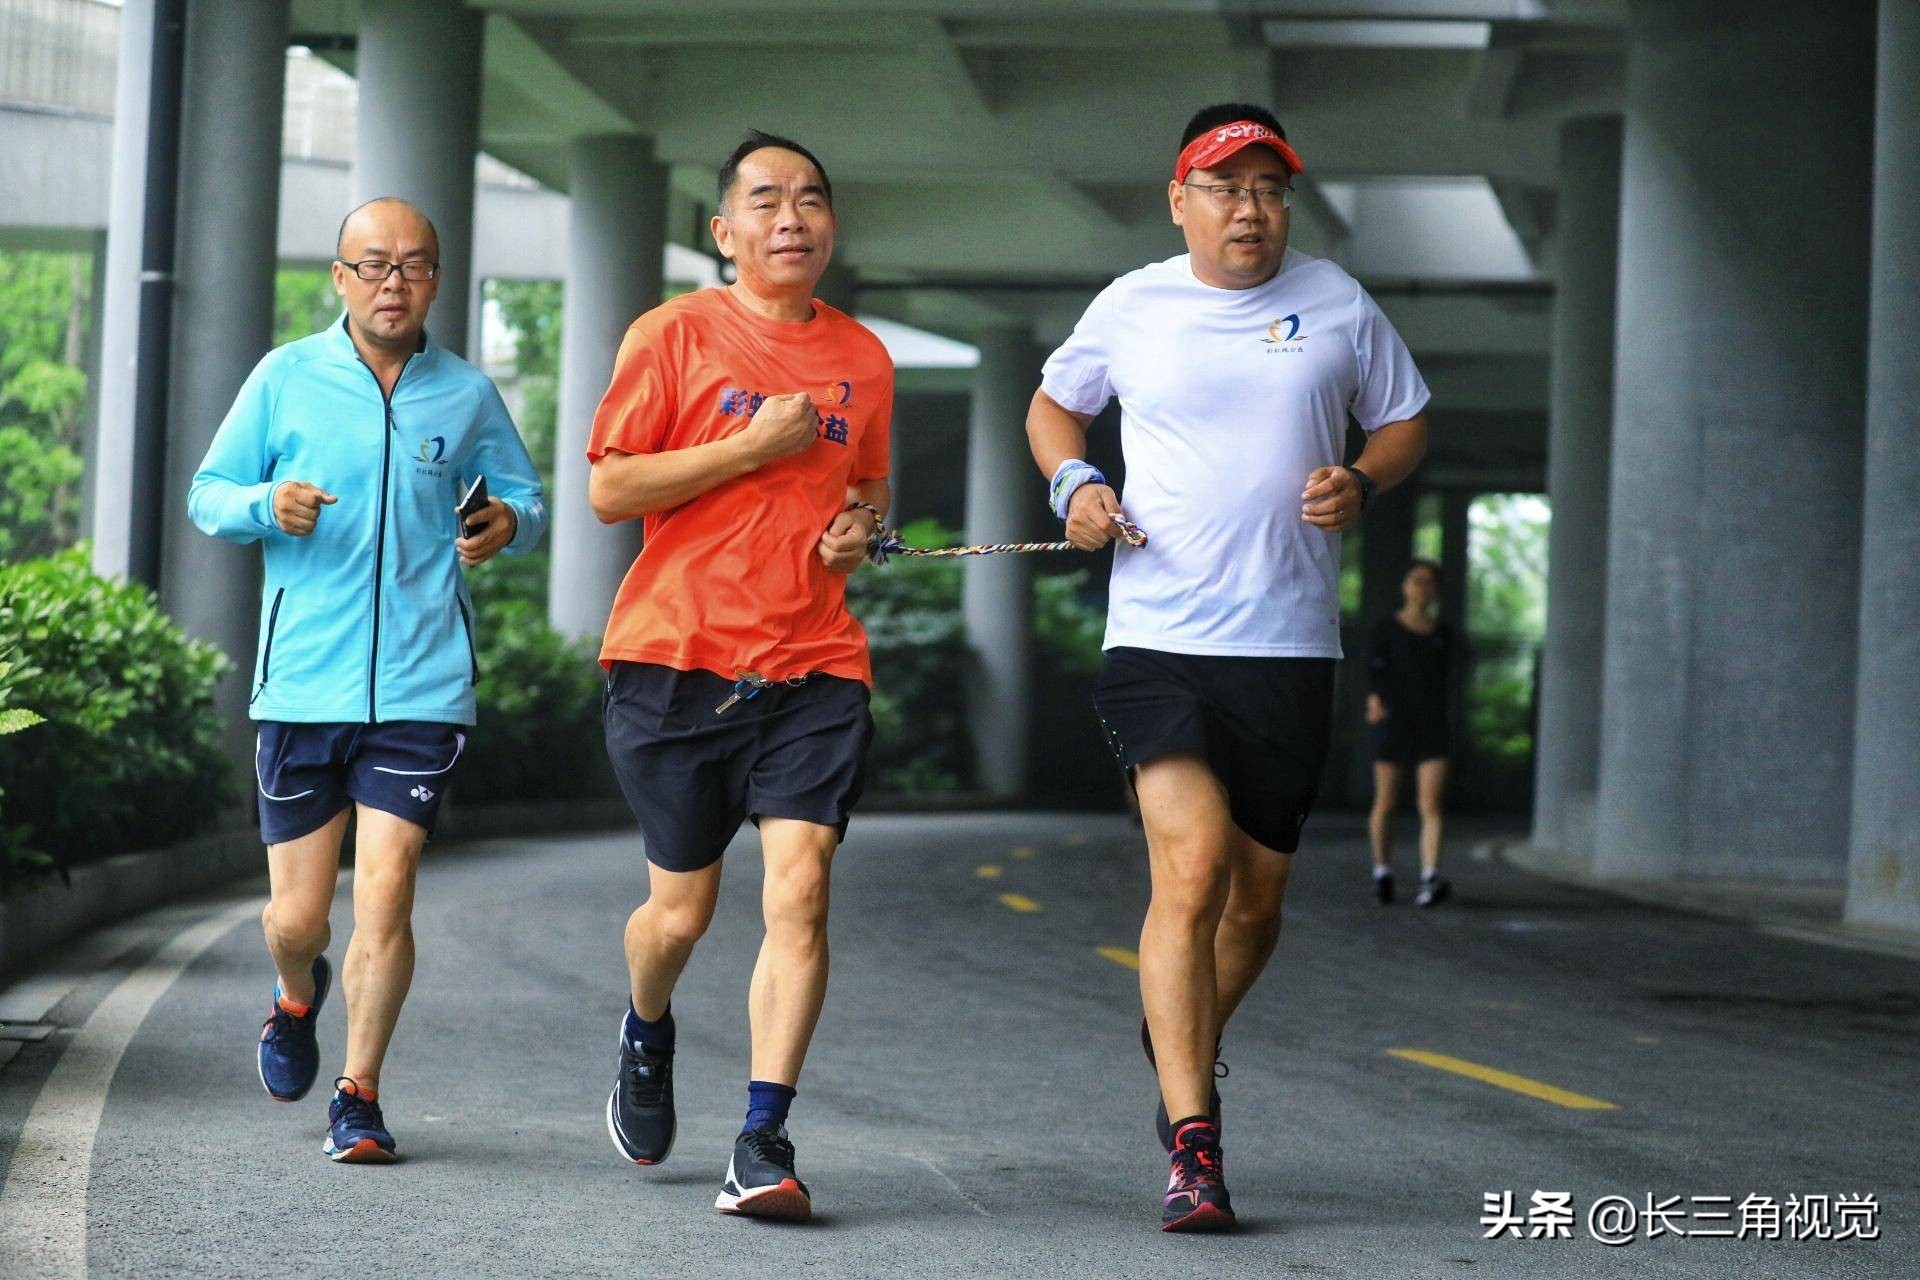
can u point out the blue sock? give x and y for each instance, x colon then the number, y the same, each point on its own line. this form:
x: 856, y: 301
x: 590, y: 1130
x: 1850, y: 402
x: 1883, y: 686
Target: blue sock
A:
x: 656, y: 1036
x: 767, y: 1104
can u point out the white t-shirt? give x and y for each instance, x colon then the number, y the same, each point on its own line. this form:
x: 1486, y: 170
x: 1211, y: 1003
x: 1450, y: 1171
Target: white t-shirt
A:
x: 1229, y: 399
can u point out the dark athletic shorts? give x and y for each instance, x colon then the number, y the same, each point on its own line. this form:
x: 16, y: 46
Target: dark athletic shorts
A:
x: 1261, y: 724
x: 1407, y: 739
x: 310, y: 772
x: 692, y: 776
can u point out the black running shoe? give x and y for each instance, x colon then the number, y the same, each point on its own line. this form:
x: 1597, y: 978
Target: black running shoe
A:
x: 1432, y: 889
x: 1383, y: 889
x: 1197, y: 1198
x: 760, y: 1179
x: 1161, y: 1124
x: 640, y: 1116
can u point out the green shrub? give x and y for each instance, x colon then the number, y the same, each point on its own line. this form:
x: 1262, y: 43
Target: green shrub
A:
x: 16, y: 857
x: 130, y: 753
x: 538, y: 736
x: 911, y: 610
x: 1067, y: 629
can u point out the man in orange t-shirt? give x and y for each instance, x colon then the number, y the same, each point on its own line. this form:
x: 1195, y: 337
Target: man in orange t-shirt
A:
x: 748, y: 426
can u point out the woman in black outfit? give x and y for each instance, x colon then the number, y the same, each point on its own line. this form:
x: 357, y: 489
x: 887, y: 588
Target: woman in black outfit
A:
x: 1410, y: 661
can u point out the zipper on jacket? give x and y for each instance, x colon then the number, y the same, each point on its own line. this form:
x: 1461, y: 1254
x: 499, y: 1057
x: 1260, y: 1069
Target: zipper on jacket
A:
x: 380, y: 526
x: 266, y: 654
x: 473, y: 653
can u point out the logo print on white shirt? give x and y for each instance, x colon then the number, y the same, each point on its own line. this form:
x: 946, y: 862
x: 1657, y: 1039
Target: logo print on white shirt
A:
x: 1293, y: 330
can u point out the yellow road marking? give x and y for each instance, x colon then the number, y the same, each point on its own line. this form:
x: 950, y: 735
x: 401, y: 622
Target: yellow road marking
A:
x: 1504, y: 1080
x: 1019, y: 902
x: 1023, y: 851
x: 988, y: 872
x: 1077, y: 837
x: 1646, y: 1039
x: 1121, y: 956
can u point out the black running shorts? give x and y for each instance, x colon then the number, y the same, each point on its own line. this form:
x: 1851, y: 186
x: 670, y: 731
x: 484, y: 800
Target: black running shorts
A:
x: 1408, y: 738
x: 692, y: 774
x: 1261, y: 724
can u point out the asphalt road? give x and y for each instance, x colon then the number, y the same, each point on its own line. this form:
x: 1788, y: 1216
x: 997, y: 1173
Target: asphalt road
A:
x: 976, y: 1103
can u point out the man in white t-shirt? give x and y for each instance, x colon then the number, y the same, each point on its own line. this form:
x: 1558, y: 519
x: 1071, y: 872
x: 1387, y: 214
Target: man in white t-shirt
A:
x: 1237, y: 365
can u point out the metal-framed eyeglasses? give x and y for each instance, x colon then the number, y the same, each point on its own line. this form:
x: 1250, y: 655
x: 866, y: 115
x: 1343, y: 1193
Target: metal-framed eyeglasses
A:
x: 373, y: 270
x: 1226, y: 198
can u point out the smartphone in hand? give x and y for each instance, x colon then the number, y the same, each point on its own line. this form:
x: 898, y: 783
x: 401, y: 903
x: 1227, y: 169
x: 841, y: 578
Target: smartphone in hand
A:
x: 472, y: 505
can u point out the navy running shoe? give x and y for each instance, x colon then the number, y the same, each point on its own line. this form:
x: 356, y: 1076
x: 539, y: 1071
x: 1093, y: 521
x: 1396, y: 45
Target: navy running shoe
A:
x: 1197, y: 1198
x: 1433, y: 889
x: 640, y: 1115
x: 761, y: 1182
x: 1162, y: 1125
x: 289, y: 1050
x: 356, y: 1131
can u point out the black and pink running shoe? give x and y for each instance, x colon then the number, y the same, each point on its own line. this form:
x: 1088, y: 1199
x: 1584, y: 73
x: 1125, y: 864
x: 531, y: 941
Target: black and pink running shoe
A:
x: 1197, y: 1198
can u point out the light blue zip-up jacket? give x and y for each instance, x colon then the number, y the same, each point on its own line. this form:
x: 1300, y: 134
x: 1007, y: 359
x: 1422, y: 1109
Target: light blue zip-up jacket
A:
x: 366, y: 618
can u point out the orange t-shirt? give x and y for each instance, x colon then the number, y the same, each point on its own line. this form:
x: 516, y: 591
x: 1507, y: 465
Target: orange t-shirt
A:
x: 732, y: 580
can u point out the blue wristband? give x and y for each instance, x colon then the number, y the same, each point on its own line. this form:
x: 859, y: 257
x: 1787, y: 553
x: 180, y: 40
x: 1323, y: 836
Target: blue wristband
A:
x: 1071, y: 474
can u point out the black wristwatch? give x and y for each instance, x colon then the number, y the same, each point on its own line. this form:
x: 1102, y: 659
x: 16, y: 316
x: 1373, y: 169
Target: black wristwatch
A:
x: 1366, y: 485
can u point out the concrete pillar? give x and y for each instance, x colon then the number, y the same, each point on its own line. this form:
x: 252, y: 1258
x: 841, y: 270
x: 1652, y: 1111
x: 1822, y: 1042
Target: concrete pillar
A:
x: 1455, y: 534
x: 111, y: 473
x: 1734, y: 540
x: 223, y: 309
x: 1006, y: 502
x: 1386, y: 545
x: 419, y: 131
x: 90, y: 428
x: 615, y: 240
x: 1883, y: 882
x: 1579, y: 442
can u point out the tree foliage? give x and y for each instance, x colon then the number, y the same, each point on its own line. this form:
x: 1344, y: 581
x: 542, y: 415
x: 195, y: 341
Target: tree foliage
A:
x: 303, y: 303
x: 1506, y: 617
x: 44, y: 309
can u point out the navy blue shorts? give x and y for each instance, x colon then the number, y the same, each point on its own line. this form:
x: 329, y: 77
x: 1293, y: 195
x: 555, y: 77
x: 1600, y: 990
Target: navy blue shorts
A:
x: 692, y: 776
x: 310, y: 772
x: 1263, y: 726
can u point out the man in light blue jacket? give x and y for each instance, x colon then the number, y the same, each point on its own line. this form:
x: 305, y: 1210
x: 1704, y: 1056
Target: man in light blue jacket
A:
x: 345, y: 455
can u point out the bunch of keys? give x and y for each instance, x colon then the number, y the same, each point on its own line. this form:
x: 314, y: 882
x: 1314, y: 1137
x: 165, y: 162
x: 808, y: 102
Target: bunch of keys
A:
x: 747, y: 686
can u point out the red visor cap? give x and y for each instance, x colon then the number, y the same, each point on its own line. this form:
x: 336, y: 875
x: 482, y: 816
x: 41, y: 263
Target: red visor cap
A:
x: 1215, y: 145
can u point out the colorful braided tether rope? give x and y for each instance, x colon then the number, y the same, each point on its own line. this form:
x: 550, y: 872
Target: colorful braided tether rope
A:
x: 887, y: 543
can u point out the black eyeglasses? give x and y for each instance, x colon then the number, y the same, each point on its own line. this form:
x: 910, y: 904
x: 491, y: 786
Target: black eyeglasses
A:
x: 1228, y: 198
x: 374, y: 270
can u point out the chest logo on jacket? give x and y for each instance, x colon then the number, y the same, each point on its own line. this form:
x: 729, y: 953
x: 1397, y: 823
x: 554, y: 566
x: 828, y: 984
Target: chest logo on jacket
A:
x: 1288, y: 341
x: 432, y: 450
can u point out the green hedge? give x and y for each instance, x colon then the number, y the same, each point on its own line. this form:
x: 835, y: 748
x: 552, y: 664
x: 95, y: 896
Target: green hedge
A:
x: 921, y: 669
x: 911, y: 612
x: 129, y: 754
x: 539, y: 735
